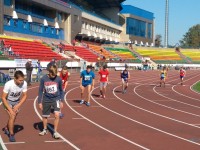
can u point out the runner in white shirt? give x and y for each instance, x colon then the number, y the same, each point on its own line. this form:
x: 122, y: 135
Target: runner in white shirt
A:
x: 14, y: 95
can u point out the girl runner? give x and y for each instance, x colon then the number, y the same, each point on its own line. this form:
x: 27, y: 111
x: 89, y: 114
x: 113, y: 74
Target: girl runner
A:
x: 163, y: 76
x: 182, y: 74
x: 103, y: 80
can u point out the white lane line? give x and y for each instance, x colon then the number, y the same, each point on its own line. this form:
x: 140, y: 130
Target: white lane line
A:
x: 13, y: 143
x: 166, y: 117
x: 77, y: 118
x: 101, y: 127
x: 2, y: 144
x: 177, y: 100
x: 76, y: 106
x: 64, y: 139
x: 56, y: 141
x: 154, y: 102
x: 191, y: 87
x: 146, y: 125
x: 96, y: 106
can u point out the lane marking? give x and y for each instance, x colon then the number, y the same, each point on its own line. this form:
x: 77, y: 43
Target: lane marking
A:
x: 64, y: 139
x: 77, y: 118
x: 13, y: 143
x: 101, y: 127
x: 2, y: 144
x: 56, y: 141
x: 146, y: 125
x: 76, y: 106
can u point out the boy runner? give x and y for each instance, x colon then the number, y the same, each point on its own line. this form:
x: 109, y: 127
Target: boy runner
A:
x: 125, y: 76
x: 14, y: 95
x: 103, y: 80
x: 50, y: 95
x: 87, y: 81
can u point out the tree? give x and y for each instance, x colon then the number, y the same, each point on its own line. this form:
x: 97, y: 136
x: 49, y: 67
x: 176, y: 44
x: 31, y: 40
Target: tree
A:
x: 192, y: 37
x: 158, y: 40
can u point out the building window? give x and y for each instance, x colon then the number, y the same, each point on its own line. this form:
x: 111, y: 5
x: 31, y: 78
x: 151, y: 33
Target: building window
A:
x: 8, y: 2
x: 52, y: 30
x: 149, y: 34
x: 57, y: 31
x: 35, y: 28
x: 136, y: 27
x: 45, y: 29
x: 15, y: 23
x: 24, y: 24
x: 6, y: 21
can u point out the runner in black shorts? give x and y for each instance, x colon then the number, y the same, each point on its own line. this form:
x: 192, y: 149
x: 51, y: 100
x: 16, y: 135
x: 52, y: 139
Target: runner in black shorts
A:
x: 51, y: 95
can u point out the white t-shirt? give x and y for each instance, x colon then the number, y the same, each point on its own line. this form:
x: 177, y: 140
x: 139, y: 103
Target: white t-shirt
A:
x: 14, y: 91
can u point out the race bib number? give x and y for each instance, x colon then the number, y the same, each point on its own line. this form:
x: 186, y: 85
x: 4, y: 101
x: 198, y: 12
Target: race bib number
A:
x: 15, y: 94
x: 87, y: 78
x: 103, y: 76
x: 51, y: 89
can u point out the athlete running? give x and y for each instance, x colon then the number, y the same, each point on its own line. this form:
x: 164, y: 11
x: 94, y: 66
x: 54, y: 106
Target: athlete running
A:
x: 50, y: 95
x: 163, y: 76
x: 125, y: 76
x: 64, y: 75
x: 14, y: 95
x: 182, y: 74
x: 87, y: 81
x: 103, y: 80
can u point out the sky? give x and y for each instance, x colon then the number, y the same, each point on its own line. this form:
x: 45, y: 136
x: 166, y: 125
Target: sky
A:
x: 183, y: 14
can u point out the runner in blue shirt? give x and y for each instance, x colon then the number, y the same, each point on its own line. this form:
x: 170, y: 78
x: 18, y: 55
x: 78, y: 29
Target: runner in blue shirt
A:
x: 125, y: 76
x: 87, y: 80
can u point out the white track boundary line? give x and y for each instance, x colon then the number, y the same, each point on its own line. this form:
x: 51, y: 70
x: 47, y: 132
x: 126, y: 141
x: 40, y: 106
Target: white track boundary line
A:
x: 2, y: 144
x: 13, y: 143
x: 143, y: 124
x: 64, y: 139
x: 177, y: 100
x: 57, y: 141
x: 151, y: 112
x: 101, y: 127
x: 193, y: 89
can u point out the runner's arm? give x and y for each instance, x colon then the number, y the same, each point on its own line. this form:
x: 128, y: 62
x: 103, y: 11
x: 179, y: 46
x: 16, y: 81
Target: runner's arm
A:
x: 23, y: 99
x: 41, y: 89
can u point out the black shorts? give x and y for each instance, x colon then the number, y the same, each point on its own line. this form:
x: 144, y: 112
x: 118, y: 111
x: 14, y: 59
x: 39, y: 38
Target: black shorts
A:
x: 48, y: 106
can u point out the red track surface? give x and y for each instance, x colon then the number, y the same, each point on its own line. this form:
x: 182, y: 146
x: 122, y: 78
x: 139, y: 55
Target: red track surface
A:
x: 146, y: 117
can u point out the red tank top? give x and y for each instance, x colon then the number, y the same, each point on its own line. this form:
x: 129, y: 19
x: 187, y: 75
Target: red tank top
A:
x: 182, y: 72
x: 64, y: 78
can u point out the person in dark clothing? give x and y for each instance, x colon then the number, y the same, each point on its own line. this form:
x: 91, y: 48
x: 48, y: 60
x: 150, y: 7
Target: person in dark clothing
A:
x: 29, y: 69
x: 50, y: 95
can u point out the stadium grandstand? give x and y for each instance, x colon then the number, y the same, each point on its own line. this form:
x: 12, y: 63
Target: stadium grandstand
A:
x: 77, y: 30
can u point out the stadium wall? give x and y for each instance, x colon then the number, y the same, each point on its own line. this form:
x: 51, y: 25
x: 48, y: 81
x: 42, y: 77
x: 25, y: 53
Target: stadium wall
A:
x: 1, y: 16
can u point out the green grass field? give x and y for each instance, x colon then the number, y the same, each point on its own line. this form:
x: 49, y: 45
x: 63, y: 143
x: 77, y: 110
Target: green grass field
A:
x: 196, y: 87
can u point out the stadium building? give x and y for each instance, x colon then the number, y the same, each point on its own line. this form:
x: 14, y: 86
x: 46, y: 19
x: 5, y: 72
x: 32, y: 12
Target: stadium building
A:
x: 105, y: 21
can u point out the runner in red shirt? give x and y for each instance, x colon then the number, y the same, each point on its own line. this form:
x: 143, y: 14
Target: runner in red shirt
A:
x: 182, y: 75
x: 64, y: 75
x: 103, y: 80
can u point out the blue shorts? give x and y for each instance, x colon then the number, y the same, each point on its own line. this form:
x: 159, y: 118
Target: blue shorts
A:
x: 85, y: 85
x: 161, y: 78
x: 181, y: 77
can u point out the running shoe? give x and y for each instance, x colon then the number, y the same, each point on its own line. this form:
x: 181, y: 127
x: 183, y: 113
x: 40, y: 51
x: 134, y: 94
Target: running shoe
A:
x: 61, y: 115
x: 12, y: 138
x: 56, y: 136
x: 6, y: 131
x: 44, y: 132
x: 124, y: 91
x: 82, y: 101
x: 88, y: 104
x: 103, y: 96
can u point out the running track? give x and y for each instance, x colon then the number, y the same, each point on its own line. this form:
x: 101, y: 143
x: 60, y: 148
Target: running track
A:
x: 146, y: 117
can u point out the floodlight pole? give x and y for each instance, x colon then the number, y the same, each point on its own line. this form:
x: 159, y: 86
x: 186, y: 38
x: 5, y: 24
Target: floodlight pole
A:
x: 166, y: 23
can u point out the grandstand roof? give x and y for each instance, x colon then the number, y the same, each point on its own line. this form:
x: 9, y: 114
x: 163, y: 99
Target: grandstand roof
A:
x: 105, y: 3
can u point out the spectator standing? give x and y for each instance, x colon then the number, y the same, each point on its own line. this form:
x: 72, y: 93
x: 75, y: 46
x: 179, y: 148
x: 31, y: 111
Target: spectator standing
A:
x: 39, y: 71
x: 29, y: 69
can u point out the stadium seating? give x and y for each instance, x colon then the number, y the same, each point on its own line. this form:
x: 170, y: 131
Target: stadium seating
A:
x: 160, y: 55
x: 124, y: 54
x: 192, y: 55
x: 30, y: 49
x: 101, y: 51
